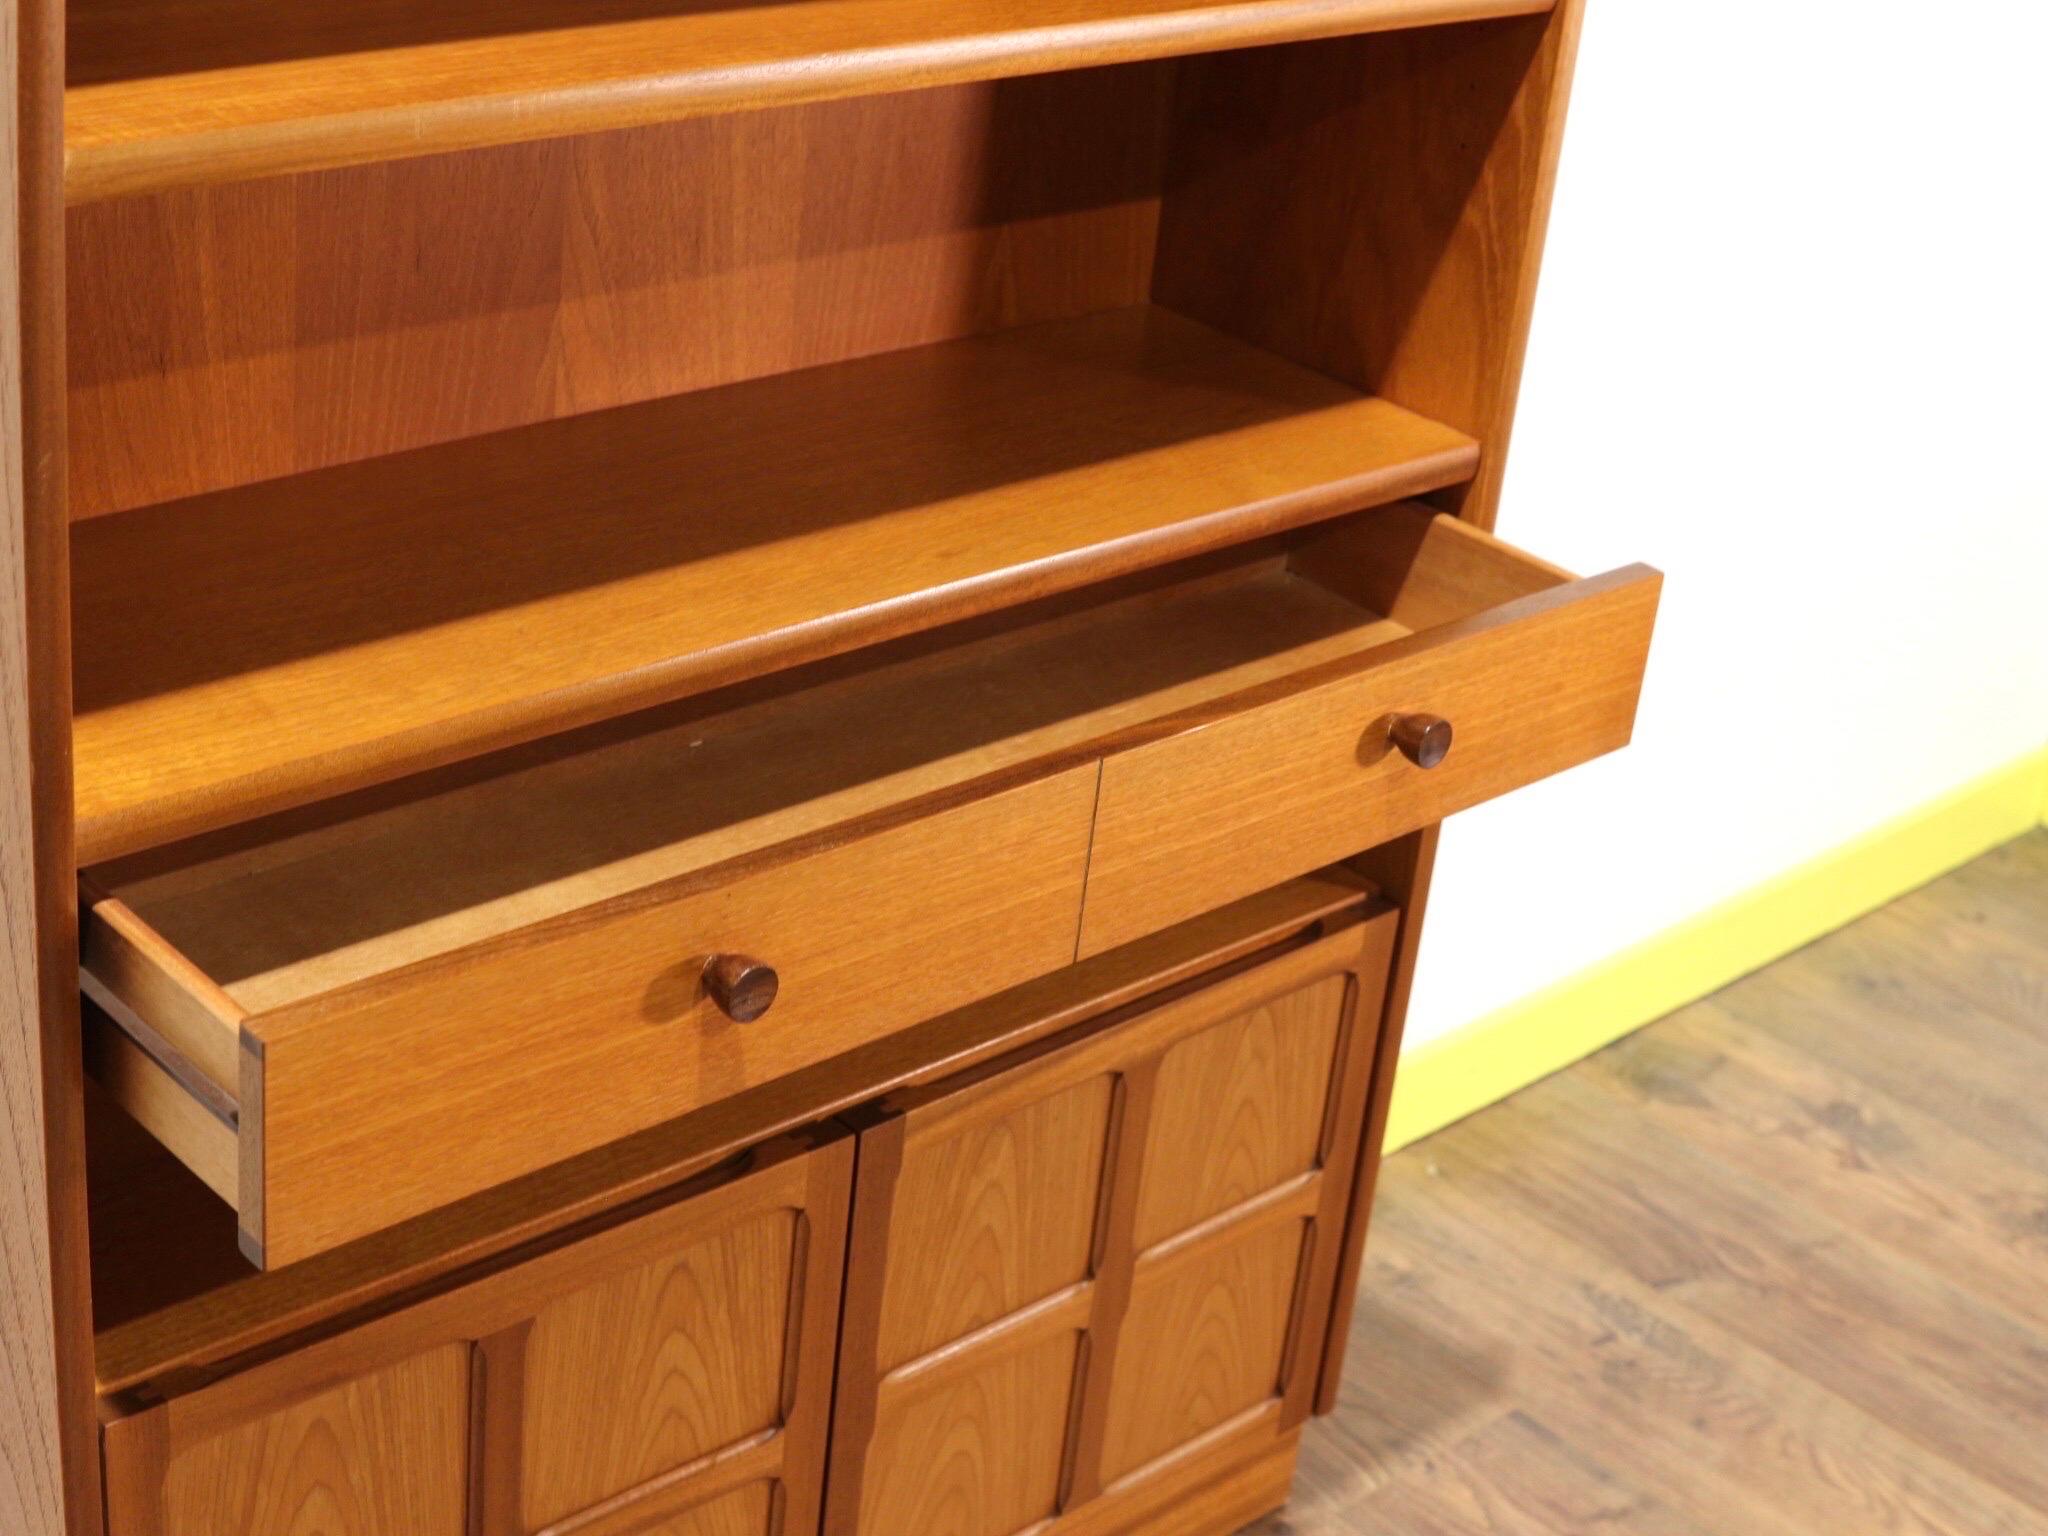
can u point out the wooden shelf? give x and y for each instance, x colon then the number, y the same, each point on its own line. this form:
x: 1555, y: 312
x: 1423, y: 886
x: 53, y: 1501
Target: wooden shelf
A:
x: 265, y: 647
x: 169, y: 93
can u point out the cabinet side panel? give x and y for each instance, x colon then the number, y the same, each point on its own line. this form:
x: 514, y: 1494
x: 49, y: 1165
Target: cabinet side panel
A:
x: 49, y: 1468
x: 1375, y: 208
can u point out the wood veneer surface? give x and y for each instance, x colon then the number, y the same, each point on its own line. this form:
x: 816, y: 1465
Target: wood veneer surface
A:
x: 474, y: 595
x: 212, y: 90
x: 287, y: 918
x: 220, y: 336
x: 170, y: 1323
x: 49, y: 1458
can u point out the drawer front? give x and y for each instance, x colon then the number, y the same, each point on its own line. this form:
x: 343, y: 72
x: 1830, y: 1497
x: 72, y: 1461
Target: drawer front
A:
x: 1307, y: 775
x: 382, y: 1101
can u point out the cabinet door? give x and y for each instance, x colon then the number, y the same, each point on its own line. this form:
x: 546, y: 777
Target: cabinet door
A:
x: 1097, y: 1279
x: 670, y: 1377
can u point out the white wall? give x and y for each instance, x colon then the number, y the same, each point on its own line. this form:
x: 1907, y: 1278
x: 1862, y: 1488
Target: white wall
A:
x: 1790, y: 347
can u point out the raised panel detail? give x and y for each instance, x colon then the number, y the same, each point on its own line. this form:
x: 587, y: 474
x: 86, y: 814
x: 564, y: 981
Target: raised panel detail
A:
x: 1202, y: 1343
x: 977, y: 1453
x: 993, y: 1217
x: 1239, y: 1109
x: 743, y: 1512
x: 656, y: 1367
x: 383, y: 1455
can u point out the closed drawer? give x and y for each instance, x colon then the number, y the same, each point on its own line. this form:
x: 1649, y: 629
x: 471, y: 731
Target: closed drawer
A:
x: 324, y: 1112
x: 1531, y: 670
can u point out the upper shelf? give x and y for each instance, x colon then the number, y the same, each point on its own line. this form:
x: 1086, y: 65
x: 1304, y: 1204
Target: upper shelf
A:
x: 254, y: 649
x: 171, y: 93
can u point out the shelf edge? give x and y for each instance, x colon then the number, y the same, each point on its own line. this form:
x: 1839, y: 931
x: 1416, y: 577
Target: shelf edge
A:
x: 102, y: 164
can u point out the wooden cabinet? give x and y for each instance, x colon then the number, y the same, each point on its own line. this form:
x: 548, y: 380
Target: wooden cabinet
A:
x: 672, y: 1374
x: 600, y: 589
x: 1085, y: 1284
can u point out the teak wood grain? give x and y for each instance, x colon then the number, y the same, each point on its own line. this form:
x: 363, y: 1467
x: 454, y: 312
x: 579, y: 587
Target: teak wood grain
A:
x: 484, y: 593
x: 49, y: 1467
x: 225, y: 335
x: 1307, y: 775
x: 1090, y: 1368
x: 169, y: 1326
x: 213, y: 90
x: 1376, y: 209
x: 357, y: 1105
x: 383, y: 1452
x: 360, y: 949
x: 880, y: 488
x: 669, y: 1370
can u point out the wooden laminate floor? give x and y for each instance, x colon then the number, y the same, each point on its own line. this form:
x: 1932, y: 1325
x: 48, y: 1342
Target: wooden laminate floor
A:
x: 1775, y: 1266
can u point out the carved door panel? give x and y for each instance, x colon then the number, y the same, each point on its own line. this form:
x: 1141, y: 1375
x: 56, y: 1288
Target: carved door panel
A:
x: 670, y: 1376
x: 1084, y: 1281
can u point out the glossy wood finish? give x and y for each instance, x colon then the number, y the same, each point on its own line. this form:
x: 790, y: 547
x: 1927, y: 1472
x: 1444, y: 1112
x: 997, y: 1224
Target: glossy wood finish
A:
x: 217, y: 89
x: 1376, y: 210
x: 49, y: 1468
x: 671, y: 1372
x: 597, y: 565
x: 357, y: 1104
x: 401, y: 441
x: 657, y: 1368
x: 1770, y: 1265
x: 1305, y: 773
x: 239, y: 333
x: 169, y: 1326
x: 383, y: 1452
x: 1072, y: 1362
x: 391, y: 926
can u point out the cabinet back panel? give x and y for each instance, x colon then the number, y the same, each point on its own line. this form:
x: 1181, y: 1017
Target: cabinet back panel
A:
x: 238, y: 333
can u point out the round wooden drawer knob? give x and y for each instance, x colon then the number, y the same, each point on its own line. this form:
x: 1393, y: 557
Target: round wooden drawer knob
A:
x: 1425, y: 740
x: 741, y: 986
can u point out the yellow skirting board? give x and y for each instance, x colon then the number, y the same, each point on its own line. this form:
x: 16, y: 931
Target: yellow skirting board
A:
x: 1450, y: 1077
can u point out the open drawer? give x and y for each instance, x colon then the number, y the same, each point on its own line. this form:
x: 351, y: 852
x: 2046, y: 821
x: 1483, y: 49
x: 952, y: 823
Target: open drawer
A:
x: 346, y: 1016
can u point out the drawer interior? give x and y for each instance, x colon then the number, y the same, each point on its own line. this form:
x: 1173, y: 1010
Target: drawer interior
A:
x: 197, y: 936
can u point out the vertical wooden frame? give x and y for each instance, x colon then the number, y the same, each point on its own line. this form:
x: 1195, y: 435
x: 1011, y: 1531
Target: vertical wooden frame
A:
x: 49, y: 1481
x: 1403, y: 869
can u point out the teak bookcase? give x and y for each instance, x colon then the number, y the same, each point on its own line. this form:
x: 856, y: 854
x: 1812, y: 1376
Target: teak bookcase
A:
x: 725, y: 727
